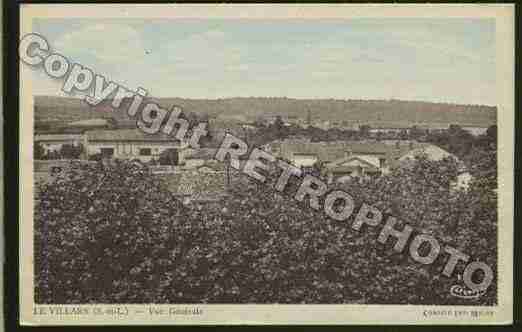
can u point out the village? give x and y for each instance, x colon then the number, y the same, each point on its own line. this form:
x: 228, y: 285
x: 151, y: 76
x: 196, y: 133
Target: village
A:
x: 194, y: 174
x: 111, y: 170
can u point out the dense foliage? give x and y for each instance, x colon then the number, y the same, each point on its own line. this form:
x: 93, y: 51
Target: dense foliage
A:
x: 115, y: 234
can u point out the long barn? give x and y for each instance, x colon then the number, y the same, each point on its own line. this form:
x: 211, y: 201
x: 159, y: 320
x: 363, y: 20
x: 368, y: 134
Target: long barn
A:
x: 132, y: 144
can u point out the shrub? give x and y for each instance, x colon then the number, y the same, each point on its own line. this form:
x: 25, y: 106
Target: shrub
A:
x: 114, y: 234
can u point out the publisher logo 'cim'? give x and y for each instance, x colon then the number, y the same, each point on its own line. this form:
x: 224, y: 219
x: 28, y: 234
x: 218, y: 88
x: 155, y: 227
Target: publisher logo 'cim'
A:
x: 466, y: 293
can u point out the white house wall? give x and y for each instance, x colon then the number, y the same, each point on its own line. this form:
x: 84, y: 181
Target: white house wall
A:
x: 476, y: 131
x: 355, y: 163
x: 388, y: 130
x: 56, y: 145
x: 193, y: 163
x: 131, y: 150
x: 49, y: 147
x: 305, y: 161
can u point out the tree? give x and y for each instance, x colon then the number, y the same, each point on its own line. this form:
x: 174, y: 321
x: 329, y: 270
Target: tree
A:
x: 455, y: 140
x: 39, y: 151
x: 491, y: 132
x: 99, y: 243
x: 121, y: 237
x: 454, y: 129
x: 416, y: 132
x: 279, y: 128
x: 278, y: 123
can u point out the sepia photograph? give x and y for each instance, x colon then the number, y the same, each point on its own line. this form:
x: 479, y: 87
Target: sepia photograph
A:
x: 266, y: 164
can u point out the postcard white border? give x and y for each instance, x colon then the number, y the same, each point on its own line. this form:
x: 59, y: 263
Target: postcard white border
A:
x: 268, y: 313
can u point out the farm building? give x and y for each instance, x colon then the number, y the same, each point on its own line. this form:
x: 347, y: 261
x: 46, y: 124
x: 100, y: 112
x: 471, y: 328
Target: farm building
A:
x: 475, y: 130
x: 390, y: 129
x: 194, y: 158
x: 304, y: 153
x: 132, y: 144
x: 374, y: 162
x: 54, y: 142
x: 343, y: 160
x: 354, y: 166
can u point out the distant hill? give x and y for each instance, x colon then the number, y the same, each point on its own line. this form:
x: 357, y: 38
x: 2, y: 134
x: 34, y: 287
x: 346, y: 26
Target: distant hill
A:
x: 365, y: 111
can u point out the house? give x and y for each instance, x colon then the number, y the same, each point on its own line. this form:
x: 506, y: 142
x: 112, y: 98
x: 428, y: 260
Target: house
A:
x: 324, y: 125
x: 131, y: 144
x: 366, y: 158
x: 342, y: 160
x: 304, y: 159
x: 431, y: 151
x: 248, y: 126
x: 435, y: 153
x: 396, y: 129
x: 399, y: 128
x: 55, y: 142
x: 211, y: 168
x: 90, y: 124
x: 353, y: 166
x: 303, y: 153
x: 371, y: 159
x: 475, y: 130
x: 194, y: 158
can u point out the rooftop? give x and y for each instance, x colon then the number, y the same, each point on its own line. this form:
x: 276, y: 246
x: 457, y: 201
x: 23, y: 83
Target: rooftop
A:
x: 128, y: 135
x: 56, y: 137
x: 330, y: 151
x: 89, y: 123
x: 201, y: 153
x: 336, y: 152
x: 343, y: 164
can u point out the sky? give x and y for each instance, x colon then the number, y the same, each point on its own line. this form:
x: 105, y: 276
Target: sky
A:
x: 432, y: 59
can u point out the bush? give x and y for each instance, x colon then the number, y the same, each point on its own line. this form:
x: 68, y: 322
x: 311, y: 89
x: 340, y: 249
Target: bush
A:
x: 114, y: 234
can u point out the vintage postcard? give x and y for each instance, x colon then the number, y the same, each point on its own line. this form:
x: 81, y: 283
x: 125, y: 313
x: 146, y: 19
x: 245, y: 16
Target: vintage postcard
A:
x: 266, y: 164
